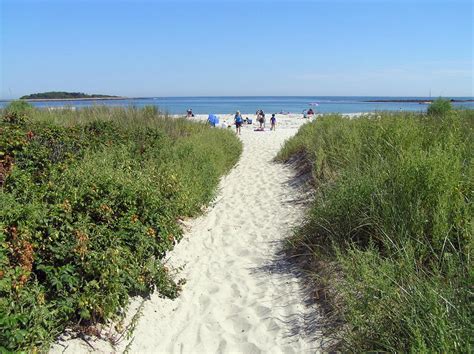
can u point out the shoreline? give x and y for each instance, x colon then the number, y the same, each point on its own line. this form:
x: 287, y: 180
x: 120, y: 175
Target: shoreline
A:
x: 417, y: 101
x: 362, y: 99
x: 226, y: 117
x: 69, y: 99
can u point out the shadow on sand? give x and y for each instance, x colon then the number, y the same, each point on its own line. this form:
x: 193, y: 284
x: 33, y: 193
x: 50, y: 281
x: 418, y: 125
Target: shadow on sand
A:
x: 314, y: 321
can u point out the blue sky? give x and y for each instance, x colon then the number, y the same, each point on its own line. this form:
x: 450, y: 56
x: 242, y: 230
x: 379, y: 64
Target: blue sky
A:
x: 222, y: 48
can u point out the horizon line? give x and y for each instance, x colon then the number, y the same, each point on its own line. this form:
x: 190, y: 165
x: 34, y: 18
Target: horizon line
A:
x: 230, y: 96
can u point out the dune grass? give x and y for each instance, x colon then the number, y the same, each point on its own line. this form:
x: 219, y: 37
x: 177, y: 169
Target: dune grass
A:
x: 91, y: 200
x: 390, y: 227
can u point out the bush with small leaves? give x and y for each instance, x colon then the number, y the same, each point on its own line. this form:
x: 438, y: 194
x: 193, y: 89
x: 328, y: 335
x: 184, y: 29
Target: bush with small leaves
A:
x: 439, y: 107
x: 90, y: 204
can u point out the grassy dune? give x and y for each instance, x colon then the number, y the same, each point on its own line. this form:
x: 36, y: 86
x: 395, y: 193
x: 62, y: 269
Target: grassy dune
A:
x: 90, y: 202
x: 389, y: 232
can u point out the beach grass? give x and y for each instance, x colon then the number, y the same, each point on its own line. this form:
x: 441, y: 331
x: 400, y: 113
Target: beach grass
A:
x: 91, y: 201
x: 390, y: 230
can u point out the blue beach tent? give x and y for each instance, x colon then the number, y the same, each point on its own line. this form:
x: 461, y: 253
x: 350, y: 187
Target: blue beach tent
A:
x: 213, y: 120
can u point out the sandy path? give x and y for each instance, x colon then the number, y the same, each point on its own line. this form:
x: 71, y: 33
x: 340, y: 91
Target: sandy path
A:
x: 233, y: 301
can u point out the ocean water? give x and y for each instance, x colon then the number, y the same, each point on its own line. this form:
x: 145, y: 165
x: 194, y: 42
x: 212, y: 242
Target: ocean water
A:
x: 248, y: 105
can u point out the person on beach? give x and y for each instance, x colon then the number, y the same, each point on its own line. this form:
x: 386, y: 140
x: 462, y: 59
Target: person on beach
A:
x: 189, y: 113
x: 238, y: 122
x: 261, y: 119
x: 273, y: 122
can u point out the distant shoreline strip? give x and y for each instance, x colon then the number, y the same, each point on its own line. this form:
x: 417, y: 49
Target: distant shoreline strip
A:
x: 75, y: 99
x: 415, y: 101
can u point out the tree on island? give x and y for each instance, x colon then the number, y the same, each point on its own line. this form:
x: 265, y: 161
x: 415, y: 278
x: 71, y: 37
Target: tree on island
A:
x: 61, y: 95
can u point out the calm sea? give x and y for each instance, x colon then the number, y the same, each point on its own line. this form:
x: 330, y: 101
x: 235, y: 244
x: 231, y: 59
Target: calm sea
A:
x: 270, y: 104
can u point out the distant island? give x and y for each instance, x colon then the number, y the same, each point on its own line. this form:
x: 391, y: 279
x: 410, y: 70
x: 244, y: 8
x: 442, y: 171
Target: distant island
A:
x: 417, y: 100
x: 61, y: 95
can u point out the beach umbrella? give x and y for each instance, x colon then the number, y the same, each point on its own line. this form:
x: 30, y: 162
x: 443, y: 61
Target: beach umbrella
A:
x: 213, y: 120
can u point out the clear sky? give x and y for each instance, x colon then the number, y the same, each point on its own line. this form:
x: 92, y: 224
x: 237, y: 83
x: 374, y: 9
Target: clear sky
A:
x: 223, y: 48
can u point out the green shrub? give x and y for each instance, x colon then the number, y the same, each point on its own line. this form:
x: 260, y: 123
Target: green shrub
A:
x: 393, y: 213
x: 17, y: 112
x: 90, y: 204
x: 19, y: 106
x: 439, y: 107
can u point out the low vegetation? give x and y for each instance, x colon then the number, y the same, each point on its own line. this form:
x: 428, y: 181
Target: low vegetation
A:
x: 439, y: 107
x: 389, y: 231
x: 91, y: 201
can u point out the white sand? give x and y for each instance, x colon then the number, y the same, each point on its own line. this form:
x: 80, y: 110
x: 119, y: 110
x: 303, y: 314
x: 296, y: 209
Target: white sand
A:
x: 238, y: 298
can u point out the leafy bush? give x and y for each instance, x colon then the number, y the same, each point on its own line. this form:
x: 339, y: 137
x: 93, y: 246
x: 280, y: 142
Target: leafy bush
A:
x: 89, y: 207
x: 19, y: 106
x: 439, y: 107
x: 393, y: 215
x: 17, y: 111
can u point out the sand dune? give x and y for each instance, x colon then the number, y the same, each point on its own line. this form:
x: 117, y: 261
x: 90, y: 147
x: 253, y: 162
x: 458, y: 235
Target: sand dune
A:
x: 238, y: 298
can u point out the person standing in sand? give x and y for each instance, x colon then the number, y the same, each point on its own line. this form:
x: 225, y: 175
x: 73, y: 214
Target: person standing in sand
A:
x: 238, y: 122
x: 261, y: 119
x: 273, y: 122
